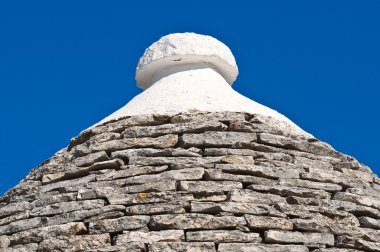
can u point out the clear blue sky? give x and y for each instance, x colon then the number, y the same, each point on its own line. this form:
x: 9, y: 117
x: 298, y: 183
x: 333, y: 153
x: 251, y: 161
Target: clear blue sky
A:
x: 65, y: 65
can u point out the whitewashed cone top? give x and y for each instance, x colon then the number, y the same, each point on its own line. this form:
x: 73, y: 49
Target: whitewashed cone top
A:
x: 188, y: 72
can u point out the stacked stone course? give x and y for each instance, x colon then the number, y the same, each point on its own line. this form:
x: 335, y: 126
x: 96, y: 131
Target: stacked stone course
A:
x: 194, y: 182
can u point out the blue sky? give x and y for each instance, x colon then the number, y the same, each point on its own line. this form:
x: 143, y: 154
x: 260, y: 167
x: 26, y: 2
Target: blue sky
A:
x: 65, y: 65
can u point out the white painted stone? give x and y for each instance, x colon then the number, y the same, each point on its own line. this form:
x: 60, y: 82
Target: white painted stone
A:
x: 187, y: 72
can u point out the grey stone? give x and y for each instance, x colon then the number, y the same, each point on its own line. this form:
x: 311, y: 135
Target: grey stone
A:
x: 194, y: 221
x: 117, y: 126
x: 64, y: 207
x: 145, y: 198
x: 47, y: 199
x: 291, y: 191
x: 14, y: 208
x: 104, y: 216
x: 130, y: 171
x: 350, y: 242
x: 21, y: 225
x: 248, y: 169
x: 149, y: 237
x: 328, y: 176
x: 329, y: 187
x: 274, y: 236
x: 82, y: 214
x: 204, y: 186
x: 80, y: 182
x: 248, y: 196
x: 369, y: 222
x: 267, y: 222
x: 161, y: 142
x: 75, y: 243
x: 119, y: 224
x: 317, y: 148
x: 254, y: 247
x: 201, y: 117
x: 353, y: 208
x: 159, y: 208
x: 150, y: 152
x: 75, y: 172
x: 31, y: 247
x: 183, y: 174
x: 219, y: 236
x: 179, y: 128
x: 371, y: 192
x: 231, y: 207
x: 217, y: 139
x: 128, y: 247
x: 214, y: 174
x: 181, y: 162
x: 293, y: 210
x: 4, y: 241
x: 38, y: 234
x: 358, y: 199
x: 182, y: 246
x: 15, y: 217
x: 91, y: 159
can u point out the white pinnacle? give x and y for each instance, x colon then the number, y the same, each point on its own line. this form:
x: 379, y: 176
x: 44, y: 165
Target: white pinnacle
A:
x: 188, y: 72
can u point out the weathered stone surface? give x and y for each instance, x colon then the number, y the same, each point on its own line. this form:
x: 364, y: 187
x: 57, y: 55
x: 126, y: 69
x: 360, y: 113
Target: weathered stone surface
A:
x: 203, y: 186
x: 179, y: 128
x: 21, y: 225
x: 149, y: 237
x: 14, y: 208
x: 38, y: 234
x: 59, y: 208
x: 273, y: 236
x: 91, y: 159
x: 248, y: 169
x: 371, y: 192
x: 219, y: 236
x: 119, y: 224
x: 130, y: 171
x: 217, y: 139
x: 349, y: 242
x: 369, y: 222
x: 82, y: 214
x: 194, y: 221
x: 267, y: 222
x: 201, y: 117
x: 214, y: 174
x: 293, y: 210
x: 182, y: 246
x: 353, y: 208
x: 23, y: 248
x: 329, y: 187
x: 104, y: 216
x: 183, y: 174
x: 231, y: 207
x: 329, y: 176
x: 75, y: 243
x: 159, y: 208
x: 150, y: 152
x: 127, y: 247
x: 4, y: 241
x: 177, y: 162
x: 361, y: 200
x: 248, y: 196
x: 291, y: 191
x: 48, y: 199
x: 145, y: 198
x: 161, y: 142
x: 254, y: 247
x: 317, y: 148
x: 81, y: 182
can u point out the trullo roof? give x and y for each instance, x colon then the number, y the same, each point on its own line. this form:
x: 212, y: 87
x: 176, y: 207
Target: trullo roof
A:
x: 191, y: 165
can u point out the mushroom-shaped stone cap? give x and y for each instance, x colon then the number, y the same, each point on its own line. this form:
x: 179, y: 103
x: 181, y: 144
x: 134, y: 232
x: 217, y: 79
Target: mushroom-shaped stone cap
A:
x: 181, y: 49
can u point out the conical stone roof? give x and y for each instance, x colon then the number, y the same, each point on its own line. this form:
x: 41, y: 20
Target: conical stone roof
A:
x: 194, y: 180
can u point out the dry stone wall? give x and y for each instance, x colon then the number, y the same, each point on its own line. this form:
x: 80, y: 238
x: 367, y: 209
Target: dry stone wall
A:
x: 194, y: 182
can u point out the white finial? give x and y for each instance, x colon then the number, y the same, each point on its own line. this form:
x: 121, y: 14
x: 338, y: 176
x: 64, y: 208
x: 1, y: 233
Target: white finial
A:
x: 188, y: 72
x: 178, y: 51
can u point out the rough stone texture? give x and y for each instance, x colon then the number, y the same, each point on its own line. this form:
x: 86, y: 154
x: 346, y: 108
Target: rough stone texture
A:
x: 194, y: 182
